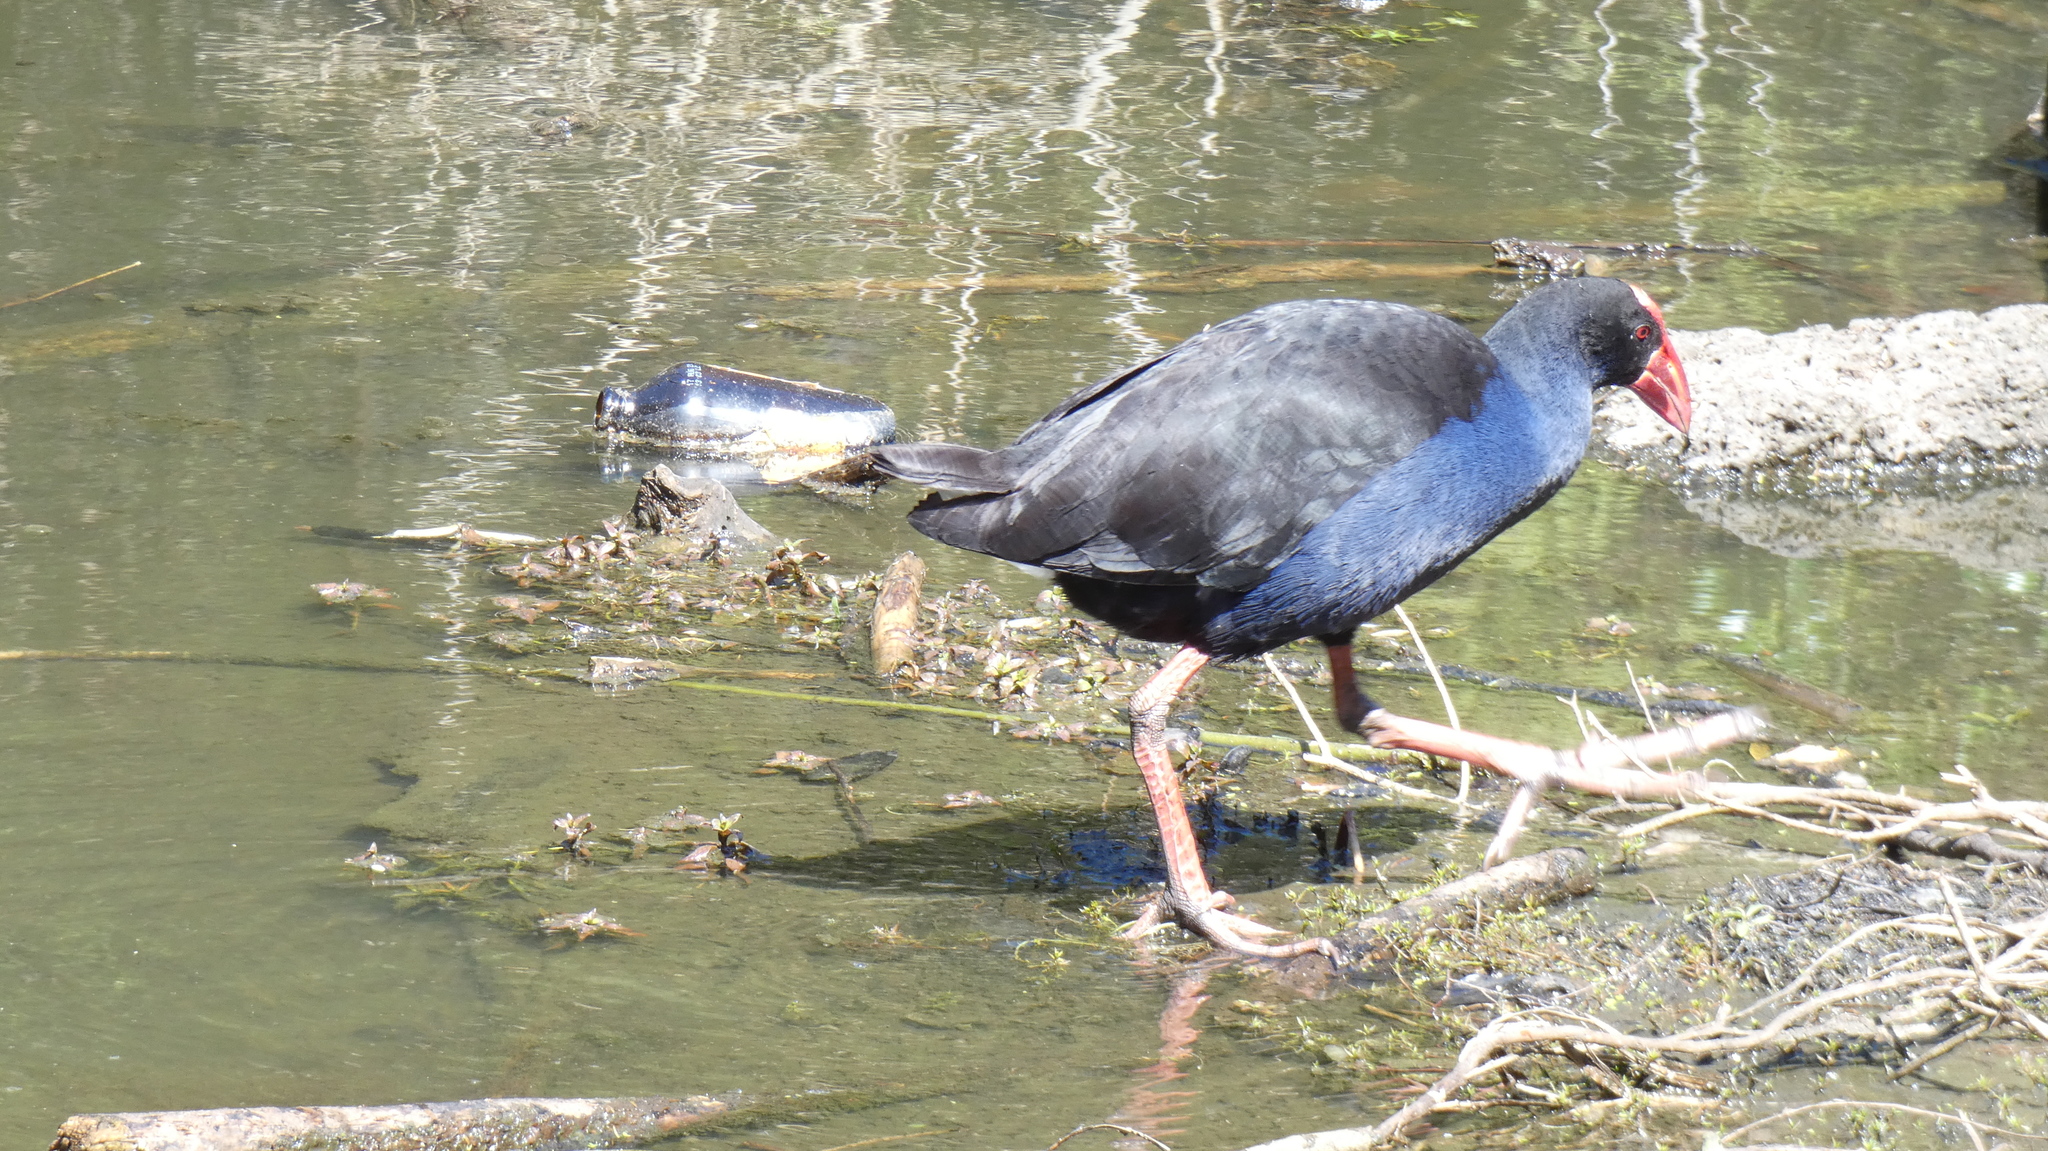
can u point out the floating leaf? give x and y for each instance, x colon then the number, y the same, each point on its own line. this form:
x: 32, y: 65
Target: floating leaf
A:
x: 371, y: 860
x: 696, y: 860
x: 584, y: 925
x: 794, y: 760
x: 526, y: 607
x: 349, y: 591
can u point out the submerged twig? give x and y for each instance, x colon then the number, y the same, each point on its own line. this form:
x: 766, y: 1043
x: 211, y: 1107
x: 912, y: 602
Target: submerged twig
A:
x: 1499, y: 682
x: 1117, y: 1127
x: 1287, y: 685
x: 1178, y: 240
x: 1196, y: 240
x: 1835, y: 1104
x: 1819, y: 700
x: 879, y: 1140
x: 1326, y: 753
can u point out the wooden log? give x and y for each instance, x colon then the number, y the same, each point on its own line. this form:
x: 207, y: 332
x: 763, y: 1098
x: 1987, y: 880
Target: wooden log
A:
x: 893, y: 634
x: 1543, y: 878
x: 499, y: 1123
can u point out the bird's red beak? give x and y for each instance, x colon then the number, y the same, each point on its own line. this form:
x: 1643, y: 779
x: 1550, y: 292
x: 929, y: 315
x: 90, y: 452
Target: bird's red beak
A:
x: 1662, y: 386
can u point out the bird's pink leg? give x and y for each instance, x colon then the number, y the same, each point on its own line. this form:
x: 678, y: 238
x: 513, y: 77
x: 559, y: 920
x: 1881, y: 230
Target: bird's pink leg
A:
x: 1185, y: 879
x: 1357, y: 713
x: 1350, y: 704
x: 1383, y: 728
x: 1188, y: 899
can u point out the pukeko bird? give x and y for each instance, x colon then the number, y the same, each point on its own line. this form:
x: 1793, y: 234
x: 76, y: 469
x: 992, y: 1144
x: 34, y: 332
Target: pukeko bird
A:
x: 1292, y: 472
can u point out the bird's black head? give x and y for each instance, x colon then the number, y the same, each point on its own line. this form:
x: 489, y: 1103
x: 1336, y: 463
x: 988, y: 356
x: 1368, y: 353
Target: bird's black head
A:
x: 1605, y: 329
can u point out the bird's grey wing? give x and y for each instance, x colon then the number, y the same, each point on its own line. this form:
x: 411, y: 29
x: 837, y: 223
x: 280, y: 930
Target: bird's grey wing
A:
x: 1212, y: 461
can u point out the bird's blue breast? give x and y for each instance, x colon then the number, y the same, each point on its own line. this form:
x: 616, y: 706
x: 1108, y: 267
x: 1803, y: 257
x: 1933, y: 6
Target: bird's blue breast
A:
x: 1414, y: 521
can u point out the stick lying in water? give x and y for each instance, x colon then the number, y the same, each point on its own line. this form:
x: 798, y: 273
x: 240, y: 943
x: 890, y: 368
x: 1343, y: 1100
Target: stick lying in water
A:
x: 503, y: 1123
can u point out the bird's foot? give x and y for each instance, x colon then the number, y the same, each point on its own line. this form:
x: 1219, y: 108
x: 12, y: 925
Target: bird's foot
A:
x: 1382, y: 728
x: 1228, y: 932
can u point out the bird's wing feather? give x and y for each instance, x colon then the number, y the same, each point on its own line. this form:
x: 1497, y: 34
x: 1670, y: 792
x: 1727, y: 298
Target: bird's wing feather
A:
x: 1209, y: 463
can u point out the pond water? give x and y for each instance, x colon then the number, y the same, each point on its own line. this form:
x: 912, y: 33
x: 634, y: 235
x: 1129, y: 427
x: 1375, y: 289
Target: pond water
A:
x: 391, y: 252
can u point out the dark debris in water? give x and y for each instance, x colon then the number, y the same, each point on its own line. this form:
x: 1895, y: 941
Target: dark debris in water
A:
x: 1771, y: 928
x: 500, y: 885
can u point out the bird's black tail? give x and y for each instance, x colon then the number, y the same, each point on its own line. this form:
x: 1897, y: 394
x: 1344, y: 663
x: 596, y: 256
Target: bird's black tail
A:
x: 948, y: 466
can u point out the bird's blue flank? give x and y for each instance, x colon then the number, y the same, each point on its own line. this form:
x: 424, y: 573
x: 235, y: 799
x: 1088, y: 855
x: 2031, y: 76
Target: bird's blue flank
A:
x: 1417, y: 519
x: 2031, y: 165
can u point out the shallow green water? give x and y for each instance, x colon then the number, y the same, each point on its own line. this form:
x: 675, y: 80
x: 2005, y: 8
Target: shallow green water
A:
x: 373, y: 295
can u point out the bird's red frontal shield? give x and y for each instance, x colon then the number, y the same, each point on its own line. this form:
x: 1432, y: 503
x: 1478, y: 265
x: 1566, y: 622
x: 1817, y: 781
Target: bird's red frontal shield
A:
x: 1662, y: 385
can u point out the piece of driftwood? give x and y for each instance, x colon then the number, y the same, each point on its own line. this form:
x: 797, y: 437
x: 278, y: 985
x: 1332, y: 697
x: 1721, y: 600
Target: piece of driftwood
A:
x: 893, y: 633
x: 468, y: 1123
x: 717, y: 412
x: 1533, y: 880
x: 1545, y: 877
x: 698, y: 507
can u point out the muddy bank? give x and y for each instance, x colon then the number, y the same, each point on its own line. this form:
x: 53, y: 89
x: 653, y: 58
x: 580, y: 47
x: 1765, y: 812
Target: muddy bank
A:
x: 1950, y: 391
x: 1926, y: 433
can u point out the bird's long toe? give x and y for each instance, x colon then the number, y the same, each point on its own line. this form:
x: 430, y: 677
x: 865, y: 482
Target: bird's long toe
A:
x: 1222, y: 929
x: 1241, y: 924
x: 1149, y: 920
x: 1229, y: 933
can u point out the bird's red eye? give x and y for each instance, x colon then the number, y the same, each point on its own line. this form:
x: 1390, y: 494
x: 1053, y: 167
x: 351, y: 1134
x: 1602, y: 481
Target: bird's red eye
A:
x: 1643, y: 333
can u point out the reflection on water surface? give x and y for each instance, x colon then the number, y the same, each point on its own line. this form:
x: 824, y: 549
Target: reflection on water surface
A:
x: 392, y: 252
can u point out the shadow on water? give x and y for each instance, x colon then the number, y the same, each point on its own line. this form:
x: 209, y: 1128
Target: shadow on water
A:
x: 1068, y: 856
